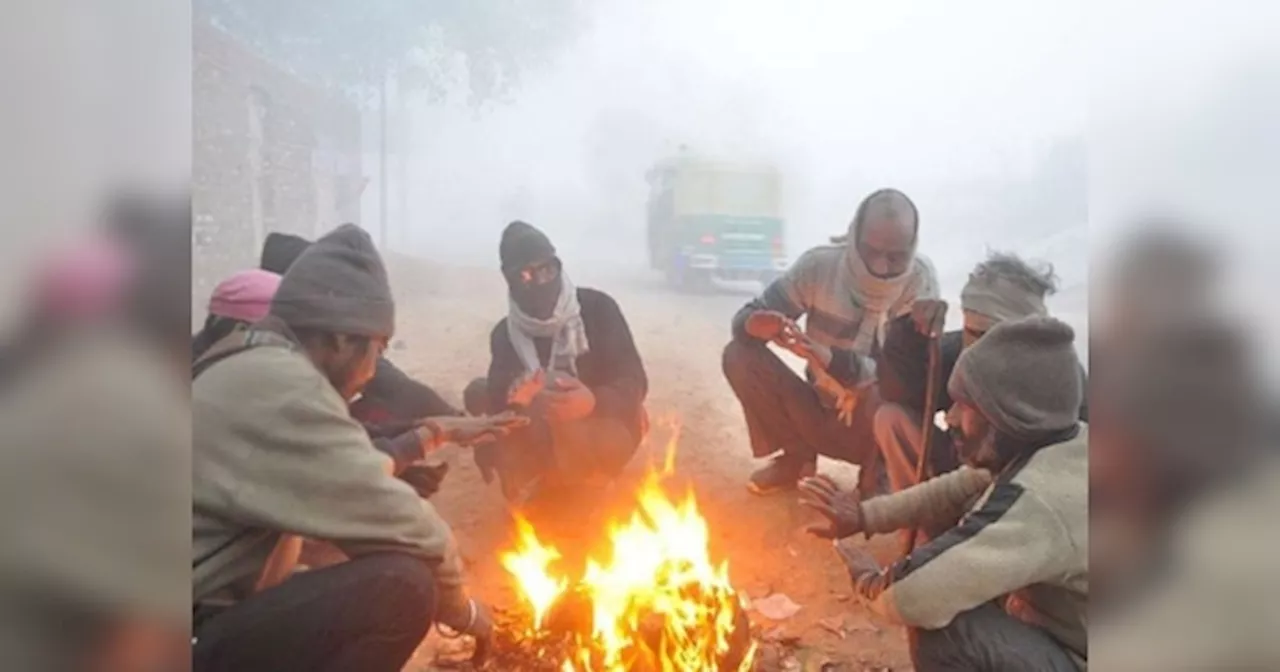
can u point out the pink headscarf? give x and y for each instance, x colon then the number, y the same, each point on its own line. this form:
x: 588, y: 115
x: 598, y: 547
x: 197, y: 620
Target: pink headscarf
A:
x: 245, y: 296
x: 86, y: 279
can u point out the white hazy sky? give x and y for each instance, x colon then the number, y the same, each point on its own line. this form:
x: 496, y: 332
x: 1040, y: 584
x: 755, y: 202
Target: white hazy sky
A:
x: 930, y: 96
x: 846, y: 96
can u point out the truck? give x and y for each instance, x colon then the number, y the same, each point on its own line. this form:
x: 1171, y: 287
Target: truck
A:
x: 714, y: 220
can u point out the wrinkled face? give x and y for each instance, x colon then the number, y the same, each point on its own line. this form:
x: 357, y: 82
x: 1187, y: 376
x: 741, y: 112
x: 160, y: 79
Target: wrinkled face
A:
x: 349, y: 362
x: 536, y: 287
x: 885, y: 244
x: 974, y: 437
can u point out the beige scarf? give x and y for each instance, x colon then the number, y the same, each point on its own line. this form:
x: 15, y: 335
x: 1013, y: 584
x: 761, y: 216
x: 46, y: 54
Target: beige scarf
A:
x: 565, y: 328
x: 875, y: 295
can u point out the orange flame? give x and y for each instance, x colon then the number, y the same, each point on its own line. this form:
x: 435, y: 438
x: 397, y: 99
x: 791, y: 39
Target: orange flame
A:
x: 659, y: 571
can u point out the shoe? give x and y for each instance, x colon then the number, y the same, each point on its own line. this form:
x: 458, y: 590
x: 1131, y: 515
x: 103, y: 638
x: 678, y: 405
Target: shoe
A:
x: 783, y: 473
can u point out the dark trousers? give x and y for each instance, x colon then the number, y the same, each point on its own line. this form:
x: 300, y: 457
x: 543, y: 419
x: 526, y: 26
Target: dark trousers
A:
x: 564, y: 454
x: 365, y: 615
x: 987, y: 639
x: 784, y: 412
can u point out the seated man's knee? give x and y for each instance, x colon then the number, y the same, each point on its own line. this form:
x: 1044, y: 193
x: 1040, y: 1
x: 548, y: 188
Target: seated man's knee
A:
x: 739, y: 359
x: 889, y: 421
x: 476, y: 397
x: 405, y: 586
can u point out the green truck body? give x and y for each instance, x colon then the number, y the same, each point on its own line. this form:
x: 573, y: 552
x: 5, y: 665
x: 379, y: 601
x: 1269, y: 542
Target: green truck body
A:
x: 715, y: 221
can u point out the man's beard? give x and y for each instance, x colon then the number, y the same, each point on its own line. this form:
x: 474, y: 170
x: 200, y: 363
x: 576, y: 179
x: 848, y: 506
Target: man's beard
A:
x: 979, y: 451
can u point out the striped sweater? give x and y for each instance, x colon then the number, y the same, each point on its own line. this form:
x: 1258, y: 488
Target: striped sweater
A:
x: 1027, y: 538
x: 814, y: 287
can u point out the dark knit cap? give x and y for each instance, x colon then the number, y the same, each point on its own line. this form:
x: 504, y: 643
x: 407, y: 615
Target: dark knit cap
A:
x: 338, y: 285
x: 1024, y: 376
x: 523, y: 244
x: 280, y: 251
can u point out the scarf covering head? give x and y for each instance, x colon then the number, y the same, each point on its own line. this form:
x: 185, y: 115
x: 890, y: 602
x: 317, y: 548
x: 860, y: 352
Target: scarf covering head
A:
x: 88, y: 279
x: 338, y: 285
x: 245, y: 296
x: 993, y: 297
x: 1023, y: 376
x: 876, y: 295
x: 523, y: 244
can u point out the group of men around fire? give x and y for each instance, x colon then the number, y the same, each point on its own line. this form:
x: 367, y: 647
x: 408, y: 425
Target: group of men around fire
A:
x: 304, y: 430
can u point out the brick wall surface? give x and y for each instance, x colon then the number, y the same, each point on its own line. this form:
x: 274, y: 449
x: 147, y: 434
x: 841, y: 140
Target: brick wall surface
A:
x: 296, y: 169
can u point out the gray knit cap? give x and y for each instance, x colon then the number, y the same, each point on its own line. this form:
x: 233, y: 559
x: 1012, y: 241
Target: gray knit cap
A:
x: 1024, y: 376
x: 338, y: 285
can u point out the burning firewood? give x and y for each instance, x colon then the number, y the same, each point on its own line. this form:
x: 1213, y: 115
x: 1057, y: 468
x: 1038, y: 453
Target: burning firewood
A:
x: 656, y: 603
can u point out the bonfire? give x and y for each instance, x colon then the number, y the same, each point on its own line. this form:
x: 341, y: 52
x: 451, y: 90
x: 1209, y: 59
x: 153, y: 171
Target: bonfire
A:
x: 656, y: 601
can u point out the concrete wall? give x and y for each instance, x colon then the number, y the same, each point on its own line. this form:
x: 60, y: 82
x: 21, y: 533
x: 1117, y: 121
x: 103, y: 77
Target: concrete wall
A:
x: 270, y: 153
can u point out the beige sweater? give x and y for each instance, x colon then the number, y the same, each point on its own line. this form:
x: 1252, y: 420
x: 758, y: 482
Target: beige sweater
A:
x: 275, y: 452
x: 1027, y: 538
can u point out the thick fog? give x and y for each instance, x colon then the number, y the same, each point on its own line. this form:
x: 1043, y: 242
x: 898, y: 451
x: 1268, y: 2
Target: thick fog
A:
x: 954, y: 104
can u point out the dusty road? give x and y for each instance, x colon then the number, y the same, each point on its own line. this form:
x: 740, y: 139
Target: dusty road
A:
x: 445, y: 320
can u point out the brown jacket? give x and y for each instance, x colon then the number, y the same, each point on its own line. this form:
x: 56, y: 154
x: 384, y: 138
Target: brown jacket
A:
x: 276, y: 452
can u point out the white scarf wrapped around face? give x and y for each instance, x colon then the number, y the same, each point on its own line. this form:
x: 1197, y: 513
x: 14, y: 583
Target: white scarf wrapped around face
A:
x: 565, y: 329
x: 875, y: 295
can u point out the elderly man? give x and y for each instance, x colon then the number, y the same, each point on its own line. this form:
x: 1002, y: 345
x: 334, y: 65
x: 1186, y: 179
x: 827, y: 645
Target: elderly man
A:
x: 277, y: 457
x: 392, y: 396
x: 1007, y: 587
x: 1002, y: 288
x: 564, y: 356
x: 847, y: 294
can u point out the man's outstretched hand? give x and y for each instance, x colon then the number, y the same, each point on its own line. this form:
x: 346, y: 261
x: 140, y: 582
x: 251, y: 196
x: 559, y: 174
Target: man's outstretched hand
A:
x: 841, y: 509
x: 857, y: 560
x: 793, y: 339
x: 526, y: 388
x: 766, y: 325
x: 469, y: 430
x: 569, y: 399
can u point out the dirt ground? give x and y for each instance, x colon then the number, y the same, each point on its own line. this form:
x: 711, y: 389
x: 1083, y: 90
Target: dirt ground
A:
x: 445, y: 318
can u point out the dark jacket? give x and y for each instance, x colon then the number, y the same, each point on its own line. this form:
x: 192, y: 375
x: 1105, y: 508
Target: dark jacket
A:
x: 393, y: 396
x: 902, y: 367
x: 611, y: 368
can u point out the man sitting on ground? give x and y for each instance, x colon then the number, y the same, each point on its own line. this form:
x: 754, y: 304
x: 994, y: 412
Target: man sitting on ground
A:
x: 847, y: 292
x: 563, y: 355
x: 277, y: 457
x: 1017, y: 394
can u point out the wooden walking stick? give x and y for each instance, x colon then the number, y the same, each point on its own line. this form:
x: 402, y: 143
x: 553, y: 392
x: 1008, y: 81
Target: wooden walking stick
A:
x: 926, y: 424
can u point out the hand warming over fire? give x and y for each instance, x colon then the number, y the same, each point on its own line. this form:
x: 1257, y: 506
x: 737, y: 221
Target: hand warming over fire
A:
x: 842, y: 509
x: 793, y: 338
x: 475, y: 620
x: 860, y: 564
x: 467, y: 430
x: 569, y: 399
x: 526, y: 388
